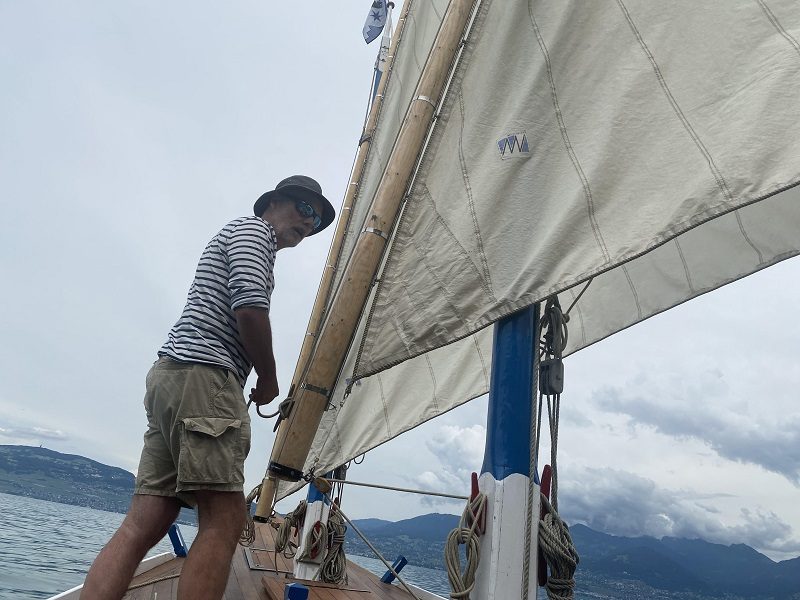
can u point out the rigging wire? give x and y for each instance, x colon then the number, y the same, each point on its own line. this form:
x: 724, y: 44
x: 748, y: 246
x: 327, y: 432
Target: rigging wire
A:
x: 555, y: 541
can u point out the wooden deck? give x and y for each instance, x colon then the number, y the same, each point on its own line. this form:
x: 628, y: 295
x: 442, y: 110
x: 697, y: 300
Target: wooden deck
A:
x: 258, y: 574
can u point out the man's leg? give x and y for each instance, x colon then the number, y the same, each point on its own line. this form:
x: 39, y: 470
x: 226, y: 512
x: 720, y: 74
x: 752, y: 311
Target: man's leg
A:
x: 147, y: 521
x: 221, y: 518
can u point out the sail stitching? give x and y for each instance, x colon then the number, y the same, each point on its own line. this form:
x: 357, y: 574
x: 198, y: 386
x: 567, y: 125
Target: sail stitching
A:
x: 483, y: 361
x: 686, y: 271
x: 434, y: 398
x: 633, y: 291
x: 425, y: 252
x: 721, y: 183
x: 777, y: 25
x: 587, y: 190
x: 385, y: 407
x: 748, y: 240
x: 486, y: 280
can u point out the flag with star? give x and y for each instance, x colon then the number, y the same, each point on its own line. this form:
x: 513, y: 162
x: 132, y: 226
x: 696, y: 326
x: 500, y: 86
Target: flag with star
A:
x: 376, y: 19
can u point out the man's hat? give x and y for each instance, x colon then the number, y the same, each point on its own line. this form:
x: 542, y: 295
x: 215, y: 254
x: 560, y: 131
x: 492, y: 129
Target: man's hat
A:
x: 298, y: 187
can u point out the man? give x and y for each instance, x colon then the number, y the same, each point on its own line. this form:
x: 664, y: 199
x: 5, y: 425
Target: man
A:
x: 198, y: 426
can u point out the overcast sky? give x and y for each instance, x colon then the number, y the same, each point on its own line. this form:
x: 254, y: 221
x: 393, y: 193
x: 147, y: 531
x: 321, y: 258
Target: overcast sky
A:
x: 131, y: 132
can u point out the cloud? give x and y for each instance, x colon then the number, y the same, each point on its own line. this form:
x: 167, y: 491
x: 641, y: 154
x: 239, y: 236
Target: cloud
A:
x: 621, y: 503
x: 460, y: 453
x: 704, y: 409
x: 23, y: 435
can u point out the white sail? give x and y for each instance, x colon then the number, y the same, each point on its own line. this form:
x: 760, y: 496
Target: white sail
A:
x: 647, y: 150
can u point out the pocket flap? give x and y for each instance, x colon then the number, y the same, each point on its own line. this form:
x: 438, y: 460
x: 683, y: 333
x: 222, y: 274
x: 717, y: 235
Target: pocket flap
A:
x: 213, y: 426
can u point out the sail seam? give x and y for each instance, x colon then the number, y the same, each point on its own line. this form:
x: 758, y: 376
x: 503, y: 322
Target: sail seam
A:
x: 385, y: 407
x: 633, y: 291
x: 434, y: 398
x: 721, y: 183
x: 529, y: 299
x: 587, y: 190
x: 777, y: 25
x: 424, y: 191
x: 687, y: 273
x: 486, y: 280
x: 747, y: 238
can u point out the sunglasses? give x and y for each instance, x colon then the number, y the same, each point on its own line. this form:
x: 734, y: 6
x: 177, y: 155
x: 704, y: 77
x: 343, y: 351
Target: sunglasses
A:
x: 306, y: 210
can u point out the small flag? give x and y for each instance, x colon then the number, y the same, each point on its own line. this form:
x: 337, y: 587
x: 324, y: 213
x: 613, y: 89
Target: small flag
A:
x: 376, y: 19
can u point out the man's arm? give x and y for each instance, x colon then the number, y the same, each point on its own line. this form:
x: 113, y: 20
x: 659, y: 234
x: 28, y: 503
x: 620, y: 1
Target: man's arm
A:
x: 256, y: 335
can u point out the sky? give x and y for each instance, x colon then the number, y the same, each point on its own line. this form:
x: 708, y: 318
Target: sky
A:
x: 131, y: 132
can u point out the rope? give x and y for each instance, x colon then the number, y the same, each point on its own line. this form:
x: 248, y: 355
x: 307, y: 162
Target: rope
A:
x: 462, y: 582
x: 555, y: 541
x: 254, y: 494
x: 533, y: 453
x: 334, y: 565
x: 397, y: 489
x: 316, y: 541
x: 248, y: 535
x: 373, y: 548
x: 292, y: 519
x: 559, y: 553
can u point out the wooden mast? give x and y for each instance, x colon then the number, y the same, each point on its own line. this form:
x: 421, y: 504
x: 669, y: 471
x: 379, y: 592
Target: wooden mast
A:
x: 296, y: 433
x: 269, y: 487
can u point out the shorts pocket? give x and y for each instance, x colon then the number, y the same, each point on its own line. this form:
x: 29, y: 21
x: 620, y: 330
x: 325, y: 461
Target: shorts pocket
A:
x: 210, y: 450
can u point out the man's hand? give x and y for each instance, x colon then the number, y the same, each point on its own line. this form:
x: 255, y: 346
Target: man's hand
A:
x: 256, y: 336
x: 266, y: 391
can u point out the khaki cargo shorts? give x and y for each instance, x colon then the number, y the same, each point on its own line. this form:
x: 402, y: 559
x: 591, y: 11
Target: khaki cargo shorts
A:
x: 198, y: 431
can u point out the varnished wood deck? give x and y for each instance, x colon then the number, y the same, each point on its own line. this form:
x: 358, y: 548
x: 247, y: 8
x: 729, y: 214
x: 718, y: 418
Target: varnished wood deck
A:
x: 266, y: 580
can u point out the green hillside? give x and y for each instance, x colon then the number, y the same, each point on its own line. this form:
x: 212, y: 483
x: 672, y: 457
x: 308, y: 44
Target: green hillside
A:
x: 66, y: 478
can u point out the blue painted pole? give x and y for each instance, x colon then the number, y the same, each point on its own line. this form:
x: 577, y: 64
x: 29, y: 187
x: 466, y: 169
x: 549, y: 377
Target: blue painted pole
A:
x: 505, y: 478
x: 176, y: 537
x: 508, y: 424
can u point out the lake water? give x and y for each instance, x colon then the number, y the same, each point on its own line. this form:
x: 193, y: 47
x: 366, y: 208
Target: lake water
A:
x: 46, y: 548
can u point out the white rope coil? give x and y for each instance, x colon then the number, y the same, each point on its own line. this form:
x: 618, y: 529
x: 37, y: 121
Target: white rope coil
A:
x: 462, y: 582
x: 559, y: 552
x: 334, y: 565
x: 292, y: 519
x: 316, y: 542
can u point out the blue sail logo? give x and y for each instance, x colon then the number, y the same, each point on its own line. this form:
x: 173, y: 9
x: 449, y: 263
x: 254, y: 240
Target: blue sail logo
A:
x: 514, y: 145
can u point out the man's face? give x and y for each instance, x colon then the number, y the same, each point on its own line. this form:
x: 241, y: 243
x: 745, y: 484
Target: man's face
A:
x: 290, y: 224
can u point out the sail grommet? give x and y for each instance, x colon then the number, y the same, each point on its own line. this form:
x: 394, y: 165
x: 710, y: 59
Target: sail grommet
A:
x: 379, y: 232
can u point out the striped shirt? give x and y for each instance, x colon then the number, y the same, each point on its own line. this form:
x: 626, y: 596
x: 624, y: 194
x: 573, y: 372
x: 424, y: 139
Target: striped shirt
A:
x: 235, y: 270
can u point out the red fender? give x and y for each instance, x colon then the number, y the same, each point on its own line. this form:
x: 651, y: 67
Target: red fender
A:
x: 314, y: 551
x: 481, y: 527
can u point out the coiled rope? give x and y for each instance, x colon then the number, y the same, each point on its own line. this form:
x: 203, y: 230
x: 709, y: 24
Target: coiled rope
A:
x: 248, y: 535
x: 334, y: 565
x: 292, y: 519
x: 316, y: 542
x: 462, y: 582
x: 559, y: 553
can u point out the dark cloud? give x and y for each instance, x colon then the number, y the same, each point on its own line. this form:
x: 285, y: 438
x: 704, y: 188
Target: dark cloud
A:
x: 621, y: 503
x: 707, y: 411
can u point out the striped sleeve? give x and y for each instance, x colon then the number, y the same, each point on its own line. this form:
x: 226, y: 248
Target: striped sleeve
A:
x: 251, y: 256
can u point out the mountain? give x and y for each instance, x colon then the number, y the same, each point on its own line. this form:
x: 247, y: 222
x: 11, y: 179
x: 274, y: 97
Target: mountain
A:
x: 69, y: 479
x: 66, y: 478
x: 610, y: 566
x: 616, y: 567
